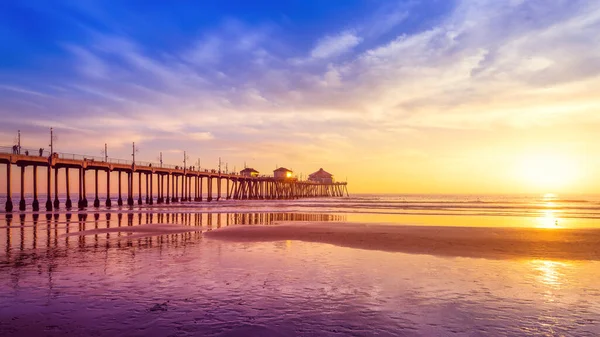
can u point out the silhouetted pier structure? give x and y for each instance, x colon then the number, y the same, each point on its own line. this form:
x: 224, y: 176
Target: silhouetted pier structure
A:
x: 174, y: 184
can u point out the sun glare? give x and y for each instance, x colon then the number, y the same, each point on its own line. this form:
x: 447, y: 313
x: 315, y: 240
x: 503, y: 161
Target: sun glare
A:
x: 548, y: 171
x: 548, y: 219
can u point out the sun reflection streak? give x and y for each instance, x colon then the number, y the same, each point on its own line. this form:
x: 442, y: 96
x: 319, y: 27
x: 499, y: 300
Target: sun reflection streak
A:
x: 549, y: 272
x: 548, y: 219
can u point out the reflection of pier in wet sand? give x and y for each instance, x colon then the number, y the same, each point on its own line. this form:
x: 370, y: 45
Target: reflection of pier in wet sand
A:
x: 173, y: 183
x: 26, y: 235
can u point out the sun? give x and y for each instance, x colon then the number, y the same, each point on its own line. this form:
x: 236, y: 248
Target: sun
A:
x: 548, y: 171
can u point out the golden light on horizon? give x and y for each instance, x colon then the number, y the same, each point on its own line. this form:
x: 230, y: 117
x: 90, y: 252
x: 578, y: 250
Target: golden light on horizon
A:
x: 548, y: 171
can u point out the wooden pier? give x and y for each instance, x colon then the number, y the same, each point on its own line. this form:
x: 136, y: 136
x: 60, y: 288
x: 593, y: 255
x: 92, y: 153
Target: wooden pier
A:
x: 174, y: 184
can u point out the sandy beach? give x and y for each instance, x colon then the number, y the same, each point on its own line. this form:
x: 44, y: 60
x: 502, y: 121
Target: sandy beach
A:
x: 494, y: 243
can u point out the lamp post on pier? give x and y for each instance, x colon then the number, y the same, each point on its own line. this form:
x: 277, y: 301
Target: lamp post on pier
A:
x: 105, y: 153
x: 130, y: 180
x: 49, y: 204
x: 184, y: 183
x: 133, y: 151
x: 51, y: 141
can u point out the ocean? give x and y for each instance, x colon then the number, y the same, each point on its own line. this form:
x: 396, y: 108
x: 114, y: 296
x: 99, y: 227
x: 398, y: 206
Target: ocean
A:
x: 366, y: 265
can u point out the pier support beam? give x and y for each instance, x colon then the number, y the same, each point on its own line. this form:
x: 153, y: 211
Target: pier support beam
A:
x: 183, y: 187
x: 130, y: 188
x: 209, y: 182
x: 147, y: 189
x: 151, y: 189
x: 188, y: 187
x: 159, y: 187
x: 85, y: 201
x: 56, y: 202
x: 22, y: 201
x: 108, y: 202
x: 182, y: 190
x: 191, y: 181
x: 167, y: 201
x: 80, y: 203
x: 175, y: 188
x: 219, y: 181
x: 9, y: 204
x: 140, y: 188
x: 120, y: 199
x: 68, y: 203
x: 228, y: 195
x: 36, y: 203
x: 96, y: 199
x: 200, y: 189
x: 49, y: 189
x: 195, y: 181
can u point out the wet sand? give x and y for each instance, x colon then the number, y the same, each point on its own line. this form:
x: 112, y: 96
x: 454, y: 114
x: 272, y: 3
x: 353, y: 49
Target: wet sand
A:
x: 137, y: 231
x: 491, y: 243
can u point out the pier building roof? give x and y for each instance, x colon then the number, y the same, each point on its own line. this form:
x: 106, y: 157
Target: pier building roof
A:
x: 320, y: 174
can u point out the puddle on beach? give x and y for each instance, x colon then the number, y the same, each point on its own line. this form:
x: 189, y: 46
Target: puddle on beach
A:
x: 155, y: 283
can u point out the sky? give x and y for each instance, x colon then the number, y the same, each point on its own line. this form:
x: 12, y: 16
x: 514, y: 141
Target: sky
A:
x: 431, y: 96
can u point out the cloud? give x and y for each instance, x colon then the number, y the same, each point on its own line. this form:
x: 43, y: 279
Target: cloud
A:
x: 87, y: 63
x: 335, y: 45
x: 200, y: 136
x: 205, y: 52
x: 24, y: 91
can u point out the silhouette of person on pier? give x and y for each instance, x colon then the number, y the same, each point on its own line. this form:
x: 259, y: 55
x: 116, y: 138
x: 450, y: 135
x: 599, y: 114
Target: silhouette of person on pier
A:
x: 14, y: 149
x: 27, y: 152
x: 41, y: 151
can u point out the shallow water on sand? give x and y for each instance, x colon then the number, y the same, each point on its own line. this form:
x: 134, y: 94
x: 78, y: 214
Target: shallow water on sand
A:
x: 148, y: 281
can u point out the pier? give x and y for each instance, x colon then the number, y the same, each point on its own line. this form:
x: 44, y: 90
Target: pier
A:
x: 175, y: 184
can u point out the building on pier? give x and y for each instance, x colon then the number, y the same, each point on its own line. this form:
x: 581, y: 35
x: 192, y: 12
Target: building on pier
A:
x: 249, y: 172
x: 282, y: 173
x: 321, y: 176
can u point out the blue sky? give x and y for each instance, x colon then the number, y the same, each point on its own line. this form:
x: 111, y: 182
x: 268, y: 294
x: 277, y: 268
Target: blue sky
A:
x: 385, y: 89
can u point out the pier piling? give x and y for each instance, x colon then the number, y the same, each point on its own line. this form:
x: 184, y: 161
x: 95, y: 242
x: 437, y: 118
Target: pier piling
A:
x: 22, y: 201
x: 167, y: 201
x: 108, y: 202
x: 120, y: 199
x: 36, y: 204
x: 68, y: 202
x: 9, y: 204
x: 96, y: 199
x: 56, y: 201
x: 151, y: 183
x: 49, y: 188
x: 130, y: 188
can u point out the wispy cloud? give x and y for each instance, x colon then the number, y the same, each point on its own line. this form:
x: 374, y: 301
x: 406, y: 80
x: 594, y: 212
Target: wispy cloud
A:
x: 200, y: 135
x: 335, y: 45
